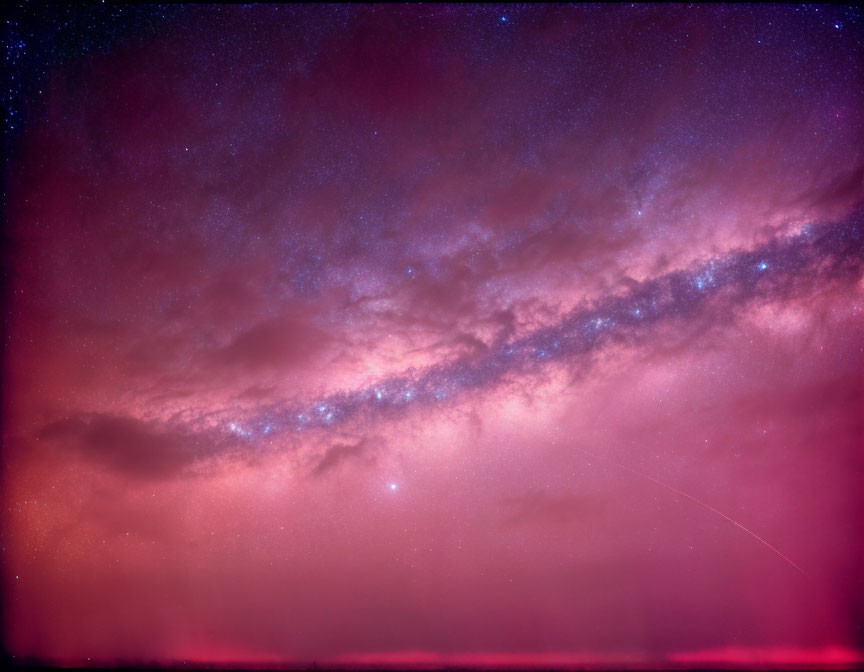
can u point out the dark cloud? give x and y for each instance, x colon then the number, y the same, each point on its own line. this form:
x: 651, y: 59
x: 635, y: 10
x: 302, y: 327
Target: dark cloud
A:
x: 538, y: 509
x: 132, y: 447
x: 285, y: 341
x: 339, y: 453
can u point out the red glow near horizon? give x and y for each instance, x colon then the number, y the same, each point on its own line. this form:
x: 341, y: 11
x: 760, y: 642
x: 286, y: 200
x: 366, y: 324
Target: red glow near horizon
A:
x: 437, y: 335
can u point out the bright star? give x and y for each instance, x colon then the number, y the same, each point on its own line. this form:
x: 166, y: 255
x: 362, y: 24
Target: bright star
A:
x: 392, y: 486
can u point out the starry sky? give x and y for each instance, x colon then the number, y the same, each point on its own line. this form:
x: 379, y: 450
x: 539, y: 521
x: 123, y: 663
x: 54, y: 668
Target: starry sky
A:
x: 433, y: 334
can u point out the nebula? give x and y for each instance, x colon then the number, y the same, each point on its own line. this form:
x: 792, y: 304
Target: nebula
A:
x: 434, y: 335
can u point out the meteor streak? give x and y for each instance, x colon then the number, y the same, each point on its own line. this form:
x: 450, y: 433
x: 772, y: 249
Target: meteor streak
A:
x: 719, y: 513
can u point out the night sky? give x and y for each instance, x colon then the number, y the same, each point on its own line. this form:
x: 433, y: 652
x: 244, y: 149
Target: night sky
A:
x: 434, y: 334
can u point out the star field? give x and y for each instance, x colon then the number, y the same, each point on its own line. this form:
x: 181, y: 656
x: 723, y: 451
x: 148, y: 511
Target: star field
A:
x: 442, y: 335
